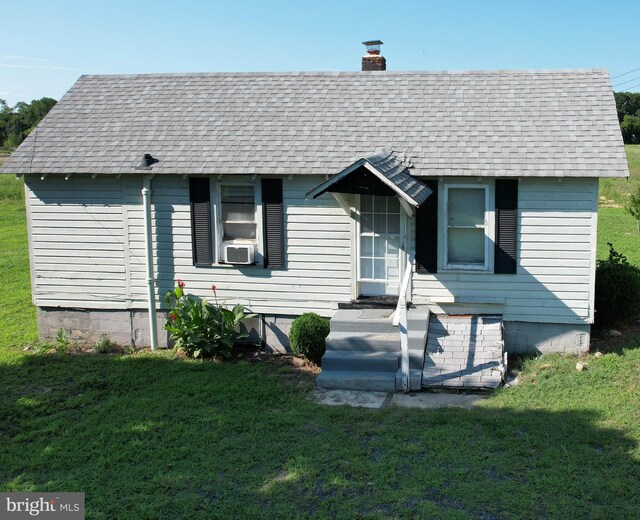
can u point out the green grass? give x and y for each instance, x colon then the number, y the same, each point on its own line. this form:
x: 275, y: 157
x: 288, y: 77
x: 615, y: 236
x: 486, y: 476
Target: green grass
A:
x: 156, y: 436
x: 615, y: 191
x: 17, y: 315
x: 615, y: 225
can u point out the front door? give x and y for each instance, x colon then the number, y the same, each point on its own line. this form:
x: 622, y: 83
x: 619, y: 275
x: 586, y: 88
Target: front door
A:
x: 379, y: 236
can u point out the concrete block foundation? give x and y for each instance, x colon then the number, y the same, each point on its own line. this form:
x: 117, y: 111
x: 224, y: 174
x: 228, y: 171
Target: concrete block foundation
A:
x: 523, y: 337
x: 131, y: 327
x: 124, y: 327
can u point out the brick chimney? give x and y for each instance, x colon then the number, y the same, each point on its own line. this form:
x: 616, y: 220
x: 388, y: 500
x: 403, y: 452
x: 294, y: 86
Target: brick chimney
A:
x: 372, y: 60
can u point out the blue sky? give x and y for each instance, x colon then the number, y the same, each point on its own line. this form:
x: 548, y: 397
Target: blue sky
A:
x: 45, y: 45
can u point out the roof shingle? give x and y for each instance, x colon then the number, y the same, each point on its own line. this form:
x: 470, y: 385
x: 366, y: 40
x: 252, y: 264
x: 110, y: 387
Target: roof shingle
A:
x: 487, y: 123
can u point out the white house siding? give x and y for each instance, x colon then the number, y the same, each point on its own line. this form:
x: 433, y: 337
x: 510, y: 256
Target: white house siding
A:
x: 556, y: 257
x: 87, y: 238
x: 317, y: 242
x: 77, y: 242
x: 87, y: 251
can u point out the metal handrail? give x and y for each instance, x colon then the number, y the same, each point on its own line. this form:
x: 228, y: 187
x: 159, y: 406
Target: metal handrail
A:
x: 400, y: 320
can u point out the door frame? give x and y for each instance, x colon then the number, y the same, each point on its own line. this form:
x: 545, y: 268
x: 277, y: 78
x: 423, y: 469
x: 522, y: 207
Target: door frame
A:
x: 405, y: 227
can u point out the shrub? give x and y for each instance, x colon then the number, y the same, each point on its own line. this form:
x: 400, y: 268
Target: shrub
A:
x: 617, y: 297
x: 307, y: 336
x: 200, y: 328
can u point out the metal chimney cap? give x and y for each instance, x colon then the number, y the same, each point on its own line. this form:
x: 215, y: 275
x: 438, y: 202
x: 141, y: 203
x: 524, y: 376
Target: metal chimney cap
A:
x: 373, y: 47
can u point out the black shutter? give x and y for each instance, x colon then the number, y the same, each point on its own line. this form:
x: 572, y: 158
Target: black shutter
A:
x: 427, y: 231
x: 273, y: 220
x: 506, y: 226
x: 200, y: 198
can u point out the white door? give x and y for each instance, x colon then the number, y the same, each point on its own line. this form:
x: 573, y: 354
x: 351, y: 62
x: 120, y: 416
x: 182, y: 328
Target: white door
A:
x: 379, y: 246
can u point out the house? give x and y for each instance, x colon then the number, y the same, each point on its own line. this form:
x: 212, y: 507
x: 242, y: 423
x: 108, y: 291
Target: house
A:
x: 472, y: 196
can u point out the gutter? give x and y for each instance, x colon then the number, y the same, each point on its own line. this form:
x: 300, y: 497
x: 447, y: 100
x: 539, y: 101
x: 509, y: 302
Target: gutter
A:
x: 148, y: 239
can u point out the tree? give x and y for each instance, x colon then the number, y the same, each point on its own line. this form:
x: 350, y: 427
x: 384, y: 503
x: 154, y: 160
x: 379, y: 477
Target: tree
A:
x: 630, y: 128
x: 633, y: 205
x: 627, y: 103
x: 16, y: 123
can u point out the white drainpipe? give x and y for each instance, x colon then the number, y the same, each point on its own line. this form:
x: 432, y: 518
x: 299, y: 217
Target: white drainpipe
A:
x: 148, y: 238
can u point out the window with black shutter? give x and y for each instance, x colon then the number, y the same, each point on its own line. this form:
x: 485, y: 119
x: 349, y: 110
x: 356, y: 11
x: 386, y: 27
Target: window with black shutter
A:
x: 506, y: 249
x: 427, y: 231
x: 273, y: 220
x: 200, y: 198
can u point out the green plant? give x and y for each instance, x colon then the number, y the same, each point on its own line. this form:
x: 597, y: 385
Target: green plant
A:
x: 200, y: 328
x: 105, y: 345
x: 59, y: 344
x: 307, y: 336
x: 617, y: 295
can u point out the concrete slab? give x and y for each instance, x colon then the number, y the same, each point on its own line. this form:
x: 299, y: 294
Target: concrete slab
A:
x: 375, y: 314
x: 427, y: 400
x: 356, y: 398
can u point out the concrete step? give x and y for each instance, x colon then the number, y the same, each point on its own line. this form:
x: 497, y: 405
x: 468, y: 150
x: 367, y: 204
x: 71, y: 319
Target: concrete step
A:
x: 415, y: 379
x: 368, y: 321
x: 358, y: 361
x: 417, y: 318
x: 363, y: 342
x: 350, y: 380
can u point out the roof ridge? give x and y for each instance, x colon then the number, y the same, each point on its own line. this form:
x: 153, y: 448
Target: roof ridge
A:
x: 354, y: 73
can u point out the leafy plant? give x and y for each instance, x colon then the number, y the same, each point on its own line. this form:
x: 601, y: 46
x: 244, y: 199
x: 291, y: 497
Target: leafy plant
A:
x: 200, y: 328
x: 59, y: 344
x: 105, y: 345
x: 617, y: 296
x: 307, y: 336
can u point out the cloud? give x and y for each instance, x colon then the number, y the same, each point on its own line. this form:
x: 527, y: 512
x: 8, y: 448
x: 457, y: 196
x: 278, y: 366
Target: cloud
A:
x: 45, y: 67
x: 23, y: 58
x: 13, y: 61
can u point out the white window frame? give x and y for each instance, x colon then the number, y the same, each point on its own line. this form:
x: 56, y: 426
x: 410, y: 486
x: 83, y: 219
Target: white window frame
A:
x: 487, y: 226
x: 216, y: 218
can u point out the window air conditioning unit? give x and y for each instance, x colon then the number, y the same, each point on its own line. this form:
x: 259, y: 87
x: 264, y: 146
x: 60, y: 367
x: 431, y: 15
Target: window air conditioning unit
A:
x: 238, y: 253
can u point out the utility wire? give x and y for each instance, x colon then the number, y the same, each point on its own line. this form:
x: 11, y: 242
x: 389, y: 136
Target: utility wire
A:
x: 628, y: 81
x: 620, y: 75
x: 633, y: 86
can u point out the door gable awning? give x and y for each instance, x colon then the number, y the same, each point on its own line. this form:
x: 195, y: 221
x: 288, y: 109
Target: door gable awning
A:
x: 382, y: 173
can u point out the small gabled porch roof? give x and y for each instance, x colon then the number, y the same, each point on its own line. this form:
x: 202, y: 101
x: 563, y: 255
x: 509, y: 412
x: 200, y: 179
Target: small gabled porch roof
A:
x: 381, y: 173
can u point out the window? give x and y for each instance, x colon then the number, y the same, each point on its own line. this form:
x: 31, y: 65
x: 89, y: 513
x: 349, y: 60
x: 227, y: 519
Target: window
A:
x: 245, y: 218
x: 238, y: 213
x: 466, y: 231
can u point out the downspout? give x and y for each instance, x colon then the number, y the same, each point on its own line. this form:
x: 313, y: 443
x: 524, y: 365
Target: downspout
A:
x: 148, y: 239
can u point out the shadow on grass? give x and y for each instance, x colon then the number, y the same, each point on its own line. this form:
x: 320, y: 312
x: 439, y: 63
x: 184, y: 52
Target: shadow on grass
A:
x: 148, y: 436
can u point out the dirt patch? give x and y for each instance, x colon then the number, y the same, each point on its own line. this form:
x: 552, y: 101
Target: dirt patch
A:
x: 608, y: 341
x: 605, y: 202
x: 296, y: 363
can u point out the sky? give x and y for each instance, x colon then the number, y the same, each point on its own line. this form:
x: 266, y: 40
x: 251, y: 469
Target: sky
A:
x: 45, y: 45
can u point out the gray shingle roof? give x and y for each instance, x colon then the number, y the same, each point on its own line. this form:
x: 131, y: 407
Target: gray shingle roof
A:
x: 390, y: 169
x: 522, y: 123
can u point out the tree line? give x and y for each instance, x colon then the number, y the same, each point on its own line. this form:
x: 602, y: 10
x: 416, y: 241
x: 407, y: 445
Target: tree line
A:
x: 18, y: 121
x: 628, y: 105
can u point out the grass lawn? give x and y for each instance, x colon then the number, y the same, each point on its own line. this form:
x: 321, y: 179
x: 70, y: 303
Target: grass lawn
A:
x: 615, y: 225
x: 615, y: 191
x: 157, y: 436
